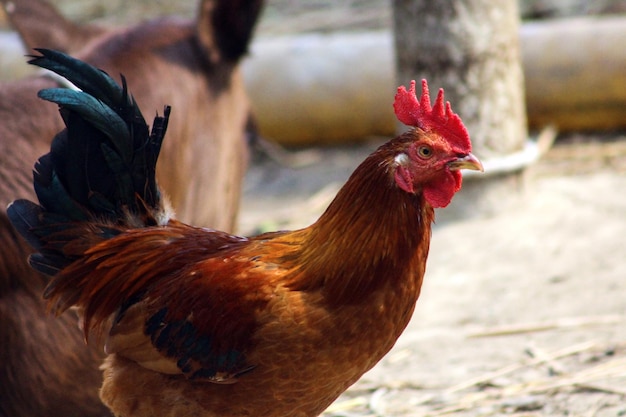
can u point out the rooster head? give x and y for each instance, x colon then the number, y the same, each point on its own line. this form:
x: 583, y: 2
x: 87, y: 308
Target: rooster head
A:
x: 435, y: 150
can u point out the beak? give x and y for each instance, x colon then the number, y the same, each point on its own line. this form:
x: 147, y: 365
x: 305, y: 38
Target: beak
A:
x: 469, y: 161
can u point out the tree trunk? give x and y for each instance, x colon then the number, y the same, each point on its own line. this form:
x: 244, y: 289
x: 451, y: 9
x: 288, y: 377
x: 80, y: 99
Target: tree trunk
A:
x: 471, y: 49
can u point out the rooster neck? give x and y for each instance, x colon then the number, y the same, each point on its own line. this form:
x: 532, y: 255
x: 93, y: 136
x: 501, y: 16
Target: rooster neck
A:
x: 372, y: 236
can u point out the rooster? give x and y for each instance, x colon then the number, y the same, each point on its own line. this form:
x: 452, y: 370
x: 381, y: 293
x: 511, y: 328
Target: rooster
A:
x: 198, y: 322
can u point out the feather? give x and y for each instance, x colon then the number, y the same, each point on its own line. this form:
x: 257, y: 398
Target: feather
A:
x: 101, y: 167
x: 118, y: 159
x: 96, y: 113
x: 91, y: 80
x: 24, y: 215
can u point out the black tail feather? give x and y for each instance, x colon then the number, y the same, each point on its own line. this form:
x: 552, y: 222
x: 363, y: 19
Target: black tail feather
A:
x: 100, y: 168
x: 89, y: 79
x: 24, y: 216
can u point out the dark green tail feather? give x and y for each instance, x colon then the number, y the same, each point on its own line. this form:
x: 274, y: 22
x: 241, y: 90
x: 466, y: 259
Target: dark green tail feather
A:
x: 91, y: 80
x: 101, y: 167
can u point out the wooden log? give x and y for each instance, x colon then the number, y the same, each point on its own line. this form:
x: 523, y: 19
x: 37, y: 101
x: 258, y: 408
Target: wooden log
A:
x: 332, y: 88
x: 322, y: 88
x: 575, y: 72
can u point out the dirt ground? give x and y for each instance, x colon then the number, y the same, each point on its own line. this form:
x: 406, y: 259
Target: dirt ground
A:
x: 522, y: 313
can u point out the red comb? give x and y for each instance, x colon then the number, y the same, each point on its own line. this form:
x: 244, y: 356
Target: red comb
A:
x: 439, y: 118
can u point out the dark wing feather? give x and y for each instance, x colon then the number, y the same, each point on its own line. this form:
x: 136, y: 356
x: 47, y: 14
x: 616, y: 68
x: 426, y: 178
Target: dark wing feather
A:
x: 198, y: 299
x: 209, y: 327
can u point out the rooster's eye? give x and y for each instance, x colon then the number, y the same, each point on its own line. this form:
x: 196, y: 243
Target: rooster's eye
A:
x: 424, y: 152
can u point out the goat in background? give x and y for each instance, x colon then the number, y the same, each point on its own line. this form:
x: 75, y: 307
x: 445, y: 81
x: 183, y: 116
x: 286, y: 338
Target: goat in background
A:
x: 192, y: 66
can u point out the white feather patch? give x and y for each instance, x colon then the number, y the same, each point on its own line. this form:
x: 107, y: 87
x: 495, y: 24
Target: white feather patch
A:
x: 401, y: 159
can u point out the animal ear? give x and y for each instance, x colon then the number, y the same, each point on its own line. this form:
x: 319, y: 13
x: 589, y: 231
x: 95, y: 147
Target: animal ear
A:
x: 225, y: 27
x: 40, y: 25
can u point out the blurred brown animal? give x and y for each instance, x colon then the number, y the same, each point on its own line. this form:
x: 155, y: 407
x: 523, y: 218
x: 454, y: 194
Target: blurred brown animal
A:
x: 192, y: 65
